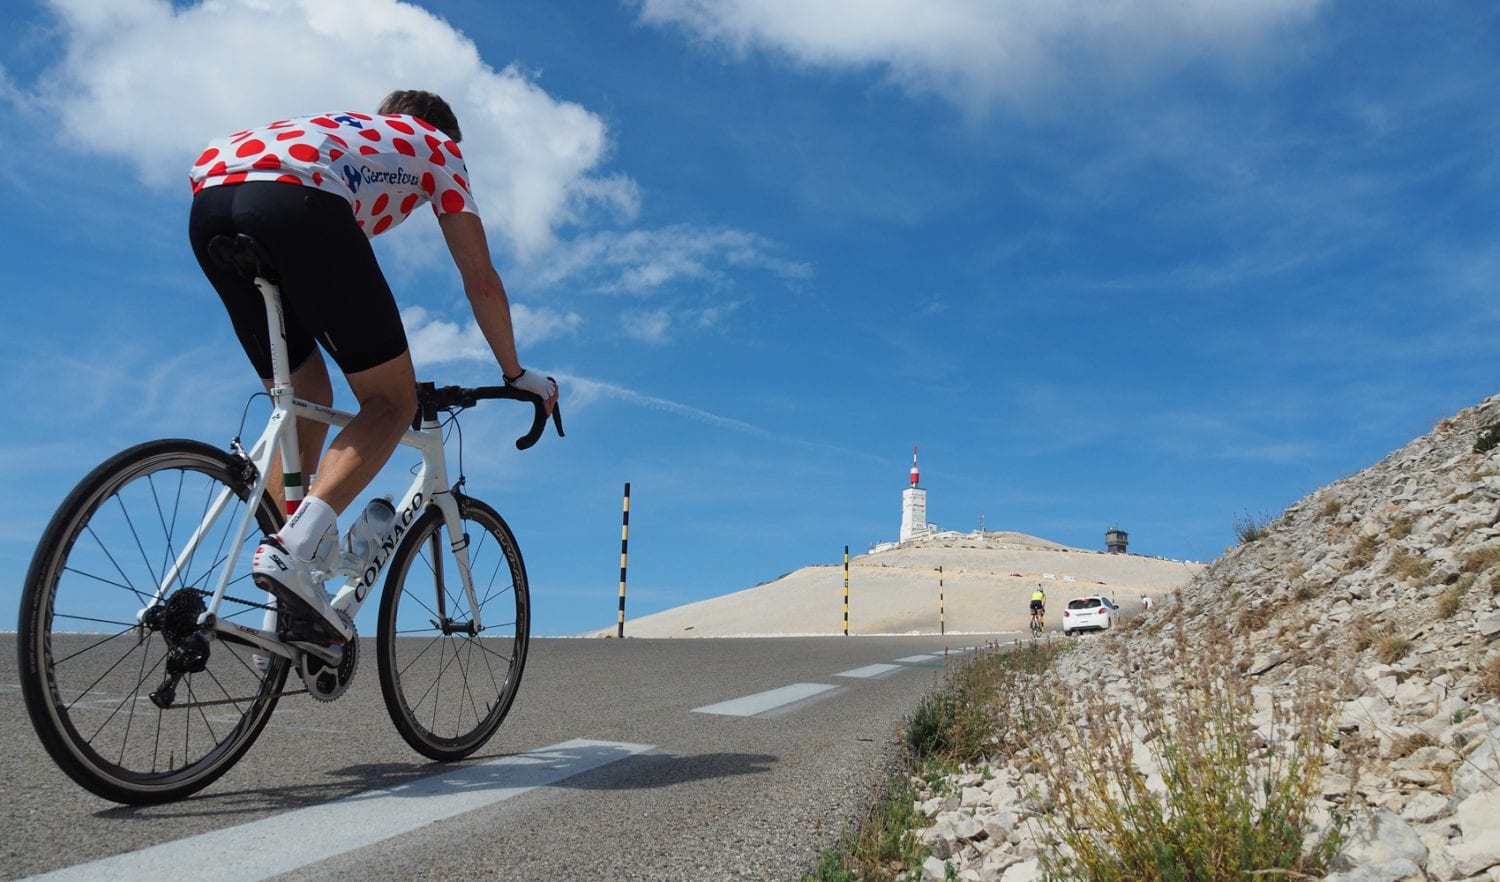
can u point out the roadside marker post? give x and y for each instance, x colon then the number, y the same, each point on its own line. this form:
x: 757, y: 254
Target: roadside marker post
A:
x: 942, y: 625
x: 624, y: 547
x: 846, y: 591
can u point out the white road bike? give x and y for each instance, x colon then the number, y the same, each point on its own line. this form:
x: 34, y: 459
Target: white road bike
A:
x: 150, y: 661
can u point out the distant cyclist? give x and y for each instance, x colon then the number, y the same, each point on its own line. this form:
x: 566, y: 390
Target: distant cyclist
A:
x: 1039, y: 603
x: 313, y: 190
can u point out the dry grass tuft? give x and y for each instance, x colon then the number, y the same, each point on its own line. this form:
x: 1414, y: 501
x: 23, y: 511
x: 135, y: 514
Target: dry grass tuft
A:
x: 1392, y: 648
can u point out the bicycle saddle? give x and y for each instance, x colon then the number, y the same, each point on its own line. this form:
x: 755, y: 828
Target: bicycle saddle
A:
x: 244, y: 256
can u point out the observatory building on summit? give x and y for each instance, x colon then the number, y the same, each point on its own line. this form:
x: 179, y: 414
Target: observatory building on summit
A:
x: 914, y: 506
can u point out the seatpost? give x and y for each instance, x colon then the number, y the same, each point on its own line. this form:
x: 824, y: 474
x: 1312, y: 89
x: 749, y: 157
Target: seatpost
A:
x: 282, y: 395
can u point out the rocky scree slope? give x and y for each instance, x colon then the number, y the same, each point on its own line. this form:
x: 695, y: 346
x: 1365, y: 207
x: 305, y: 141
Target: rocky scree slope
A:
x: 1379, y: 590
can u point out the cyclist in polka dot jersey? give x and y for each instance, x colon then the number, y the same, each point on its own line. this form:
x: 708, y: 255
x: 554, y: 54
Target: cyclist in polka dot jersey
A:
x: 313, y: 190
x: 385, y: 165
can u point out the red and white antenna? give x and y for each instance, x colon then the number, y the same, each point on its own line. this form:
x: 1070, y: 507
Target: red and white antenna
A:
x: 914, y: 466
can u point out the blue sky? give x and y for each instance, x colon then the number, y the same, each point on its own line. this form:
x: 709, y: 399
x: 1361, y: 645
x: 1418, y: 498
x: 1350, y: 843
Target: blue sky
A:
x: 1151, y: 264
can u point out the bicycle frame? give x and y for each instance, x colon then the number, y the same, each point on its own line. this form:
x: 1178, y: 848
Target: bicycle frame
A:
x: 429, y: 487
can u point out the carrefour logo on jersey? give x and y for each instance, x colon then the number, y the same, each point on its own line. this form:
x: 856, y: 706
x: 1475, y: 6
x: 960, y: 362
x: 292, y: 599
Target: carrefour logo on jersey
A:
x: 366, y: 175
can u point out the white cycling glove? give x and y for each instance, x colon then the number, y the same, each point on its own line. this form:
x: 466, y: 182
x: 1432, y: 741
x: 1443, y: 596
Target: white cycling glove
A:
x: 536, y: 384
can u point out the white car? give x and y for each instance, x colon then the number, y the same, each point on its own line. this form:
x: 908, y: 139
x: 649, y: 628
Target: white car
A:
x: 1094, y: 612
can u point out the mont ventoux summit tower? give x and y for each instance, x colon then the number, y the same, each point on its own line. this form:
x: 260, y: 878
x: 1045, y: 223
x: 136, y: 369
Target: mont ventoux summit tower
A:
x: 913, y: 505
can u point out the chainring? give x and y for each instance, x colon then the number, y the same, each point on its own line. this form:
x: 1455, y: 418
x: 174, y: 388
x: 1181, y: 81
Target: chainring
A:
x: 325, y: 683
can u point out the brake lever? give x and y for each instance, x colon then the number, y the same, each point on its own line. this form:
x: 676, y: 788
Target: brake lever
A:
x: 539, y: 418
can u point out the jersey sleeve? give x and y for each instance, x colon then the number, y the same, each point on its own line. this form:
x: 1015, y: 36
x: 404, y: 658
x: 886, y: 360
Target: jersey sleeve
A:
x: 450, y: 191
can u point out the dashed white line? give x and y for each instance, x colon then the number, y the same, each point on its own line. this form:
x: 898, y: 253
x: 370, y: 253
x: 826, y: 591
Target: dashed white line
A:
x: 869, y: 671
x: 281, y: 844
x: 917, y: 659
x: 761, y: 702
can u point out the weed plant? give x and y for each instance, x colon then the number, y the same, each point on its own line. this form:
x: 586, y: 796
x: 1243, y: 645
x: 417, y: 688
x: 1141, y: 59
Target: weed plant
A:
x: 1411, y: 566
x: 1178, y: 784
x: 1148, y: 785
x: 1392, y: 648
x: 1481, y: 558
x: 1250, y: 528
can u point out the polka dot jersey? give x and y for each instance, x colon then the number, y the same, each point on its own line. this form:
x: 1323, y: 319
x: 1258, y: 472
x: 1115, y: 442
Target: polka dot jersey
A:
x: 385, y: 166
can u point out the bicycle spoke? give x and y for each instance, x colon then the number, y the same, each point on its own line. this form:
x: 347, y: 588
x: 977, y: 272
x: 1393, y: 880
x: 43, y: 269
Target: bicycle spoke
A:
x: 130, y: 697
x: 104, y: 581
x: 140, y: 595
x: 108, y: 671
x: 111, y: 668
x: 130, y: 523
x: 78, y: 618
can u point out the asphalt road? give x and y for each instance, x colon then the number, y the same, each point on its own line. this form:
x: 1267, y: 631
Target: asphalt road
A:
x: 658, y: 790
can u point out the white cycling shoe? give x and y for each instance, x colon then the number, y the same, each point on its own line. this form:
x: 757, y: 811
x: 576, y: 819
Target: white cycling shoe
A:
x: 297, y: 582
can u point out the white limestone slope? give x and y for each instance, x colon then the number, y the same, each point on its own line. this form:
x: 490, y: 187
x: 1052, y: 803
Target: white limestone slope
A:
x: 1384, y: 588
x: 985, y: 584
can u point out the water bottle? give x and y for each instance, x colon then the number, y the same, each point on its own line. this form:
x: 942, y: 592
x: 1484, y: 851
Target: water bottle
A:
x: 363, y: 540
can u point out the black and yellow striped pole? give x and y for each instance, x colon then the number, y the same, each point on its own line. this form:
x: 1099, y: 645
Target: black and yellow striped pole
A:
x: 942, y: 626
x: 624, y: 547
x: 846, y: 591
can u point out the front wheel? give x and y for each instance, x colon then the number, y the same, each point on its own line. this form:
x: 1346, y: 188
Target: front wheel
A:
x: 448, y: 684
x: 130, y: 697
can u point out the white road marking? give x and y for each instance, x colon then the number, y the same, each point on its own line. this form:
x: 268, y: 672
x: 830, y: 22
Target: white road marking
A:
x: 917, y: 659
x: 761, y: 702
x: 869, y: 671
x: 296, y: 839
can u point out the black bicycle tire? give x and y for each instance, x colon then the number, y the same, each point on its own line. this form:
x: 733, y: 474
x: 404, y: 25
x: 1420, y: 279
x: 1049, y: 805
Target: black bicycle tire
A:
x: 418, y: 736
x: 50, y: 716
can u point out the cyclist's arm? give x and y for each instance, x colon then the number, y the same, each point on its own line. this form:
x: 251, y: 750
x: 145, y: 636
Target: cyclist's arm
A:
x: 464, y: 234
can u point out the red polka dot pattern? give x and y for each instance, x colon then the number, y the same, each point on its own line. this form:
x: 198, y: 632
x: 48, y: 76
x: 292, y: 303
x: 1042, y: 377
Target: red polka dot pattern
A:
x: 395, y: 164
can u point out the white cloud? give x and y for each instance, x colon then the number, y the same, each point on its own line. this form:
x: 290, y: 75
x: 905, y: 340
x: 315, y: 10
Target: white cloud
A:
x: 436, y: 341
x: 650, y: 326
x: 148, y: 83
x: 979, y: 52
x: 641, y: 261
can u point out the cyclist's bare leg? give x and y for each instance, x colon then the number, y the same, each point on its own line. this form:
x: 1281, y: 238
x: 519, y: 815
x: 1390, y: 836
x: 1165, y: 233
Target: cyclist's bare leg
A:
x: 311, y: 383
x: 387, y: 395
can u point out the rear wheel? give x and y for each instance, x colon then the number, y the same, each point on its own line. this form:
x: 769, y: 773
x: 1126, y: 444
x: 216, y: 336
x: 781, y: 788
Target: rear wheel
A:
x: 447, y: 685
x: 128, y: 695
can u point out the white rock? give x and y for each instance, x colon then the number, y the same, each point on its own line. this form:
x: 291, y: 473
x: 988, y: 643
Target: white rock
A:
x: 1025, y: 871
x: 1479, y: 819
x: 967, y: 826
x: 999, y: 824
x: 1481, y: 769
x: 934, y: 870
x: 1381, y: 848
x: 1425, y: 806
x: 1489, y: 626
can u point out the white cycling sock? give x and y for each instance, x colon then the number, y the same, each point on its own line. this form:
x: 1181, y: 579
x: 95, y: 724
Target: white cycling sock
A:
x: 306, y: 526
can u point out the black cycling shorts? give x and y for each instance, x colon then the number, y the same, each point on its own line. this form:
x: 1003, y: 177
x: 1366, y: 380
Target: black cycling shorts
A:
x: 332, y: 290
x: 1037, y: 604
